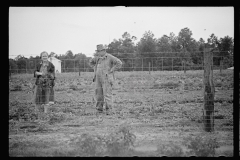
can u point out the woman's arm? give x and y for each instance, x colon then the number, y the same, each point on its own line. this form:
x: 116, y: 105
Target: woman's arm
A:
x: 52, y: 71
x: 36, y: 72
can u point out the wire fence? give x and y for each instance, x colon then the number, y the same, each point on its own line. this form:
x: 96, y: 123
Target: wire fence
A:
x: 147, y: 82
x: 131, y: 64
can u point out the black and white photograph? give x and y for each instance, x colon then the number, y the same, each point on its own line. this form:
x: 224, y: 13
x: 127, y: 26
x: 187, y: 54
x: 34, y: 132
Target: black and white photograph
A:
x: 121, y: 81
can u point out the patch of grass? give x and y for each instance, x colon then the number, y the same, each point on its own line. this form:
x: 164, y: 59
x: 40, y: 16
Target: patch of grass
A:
x: 188, y: 86
x: 56, y: 117
x: 73, y: 87
x: 156, y: 86
x: 17, y: 88
x: 168, y: 112
x: 118, y: 143
x: 57, y: 88
x: 67, y: 110
x: 169, y: 150
x: 219, y: 116
x: 168, y: 85
x: 19, y: 111
x: 87, y: 145
x: 201, y: 145
x: 227, y: 153
x: 217, y: 84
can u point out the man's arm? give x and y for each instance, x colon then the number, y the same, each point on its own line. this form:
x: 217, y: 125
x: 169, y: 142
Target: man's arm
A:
x: 117, y: 64
x: 92, y: 62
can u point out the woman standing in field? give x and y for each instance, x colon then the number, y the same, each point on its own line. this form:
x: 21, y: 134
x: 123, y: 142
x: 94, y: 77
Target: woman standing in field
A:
x: 45, y: 74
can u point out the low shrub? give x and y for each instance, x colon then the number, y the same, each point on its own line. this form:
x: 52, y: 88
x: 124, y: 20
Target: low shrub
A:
x: 55, y: 117
x: 201, y: 145
x: 168, y: 85
x: 89, y: 145
x: 21, y: 111
x: 73, y: 87
x: 118, y: 143
x: 169, y: 150
x: 17, y: 88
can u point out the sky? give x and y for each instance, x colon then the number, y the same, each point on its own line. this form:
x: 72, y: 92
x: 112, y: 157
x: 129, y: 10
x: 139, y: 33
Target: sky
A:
x: 80, y: 29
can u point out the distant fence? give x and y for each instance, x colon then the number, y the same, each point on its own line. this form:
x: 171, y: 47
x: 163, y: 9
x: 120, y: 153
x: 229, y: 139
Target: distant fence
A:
x: 155, y: 63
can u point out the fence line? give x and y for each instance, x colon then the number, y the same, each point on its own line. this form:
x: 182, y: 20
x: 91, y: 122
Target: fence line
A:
x: 208, y: 66
x: 181, y: 52
x: 180, y: 57
x: 136, y: 64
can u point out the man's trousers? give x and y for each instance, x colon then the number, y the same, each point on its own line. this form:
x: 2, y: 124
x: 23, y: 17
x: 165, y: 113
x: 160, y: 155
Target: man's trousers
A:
x: 103, y: 91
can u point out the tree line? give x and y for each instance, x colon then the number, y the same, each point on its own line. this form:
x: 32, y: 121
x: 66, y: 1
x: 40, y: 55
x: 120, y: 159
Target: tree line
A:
x: 168, y: 52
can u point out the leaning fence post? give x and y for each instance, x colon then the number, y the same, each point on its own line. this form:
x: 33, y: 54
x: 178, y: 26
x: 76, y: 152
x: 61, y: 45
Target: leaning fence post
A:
x: 208, y: 111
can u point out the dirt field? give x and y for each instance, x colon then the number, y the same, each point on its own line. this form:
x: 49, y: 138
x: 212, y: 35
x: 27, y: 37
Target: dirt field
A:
x: 160, y: 109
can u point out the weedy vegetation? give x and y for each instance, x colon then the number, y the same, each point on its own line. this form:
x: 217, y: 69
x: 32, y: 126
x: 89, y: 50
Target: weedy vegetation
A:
x: 162, y: 110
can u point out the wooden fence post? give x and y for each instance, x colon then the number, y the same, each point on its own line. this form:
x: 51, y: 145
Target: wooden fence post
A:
x: 162, y: 64
x: 184, y: 66
x: 132, y: 65
x: 84, y: 65
x: 26, y: 67
x: 79, y: 68
x: 149, y: 65
x: 221, y: 66
x: 208, y: 110
x: 64, y: 66
x: 152, y: 64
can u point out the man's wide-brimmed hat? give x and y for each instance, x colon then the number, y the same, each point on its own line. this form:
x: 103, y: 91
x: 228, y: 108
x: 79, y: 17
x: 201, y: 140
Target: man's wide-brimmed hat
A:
x: 100, y: 47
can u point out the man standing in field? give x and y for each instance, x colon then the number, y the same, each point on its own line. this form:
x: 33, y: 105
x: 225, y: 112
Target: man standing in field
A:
x: 104, y: 66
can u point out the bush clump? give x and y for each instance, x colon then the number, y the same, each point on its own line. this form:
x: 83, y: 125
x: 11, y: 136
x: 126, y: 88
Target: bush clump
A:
x: 170, y: 150
x: 118, y: 143
x: 201, y: 145
x: 55, y: 117
x: 168, y: 85
x: 73, y: 87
